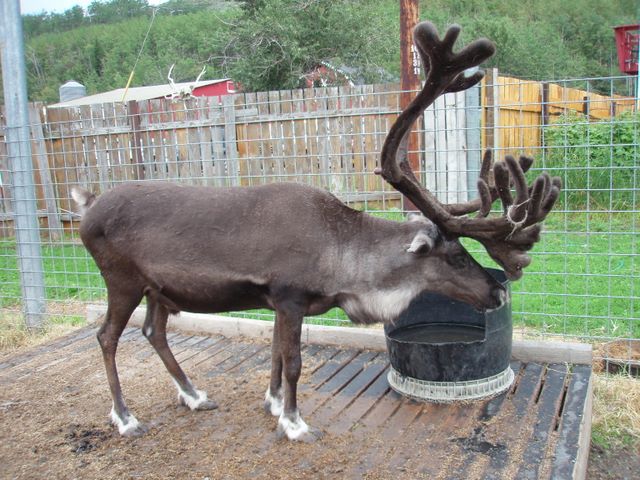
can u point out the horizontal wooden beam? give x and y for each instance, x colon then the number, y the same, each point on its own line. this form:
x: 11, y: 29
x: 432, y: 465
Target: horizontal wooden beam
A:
x: 65, y: 217
x: 371, y: 338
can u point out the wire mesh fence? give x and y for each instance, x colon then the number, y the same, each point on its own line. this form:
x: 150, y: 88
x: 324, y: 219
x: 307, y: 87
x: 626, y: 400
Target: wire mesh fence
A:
x: 584, y: 282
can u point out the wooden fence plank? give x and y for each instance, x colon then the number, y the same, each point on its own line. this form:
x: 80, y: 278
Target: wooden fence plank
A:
x: 329, y: 137
x: 54, y: 224
x: 371, y: 153
x: 104, y: 179
x: 288, y: 140
x: 359, y: 146
x: 230, y: 140
x: 309, y: 167
x: 70, y: 161
x: 324, y: 145
x: 276, y: 136
x: 262, y: 160
x: 195, y: 159
x: 242, y: 139
x: 299, y: 143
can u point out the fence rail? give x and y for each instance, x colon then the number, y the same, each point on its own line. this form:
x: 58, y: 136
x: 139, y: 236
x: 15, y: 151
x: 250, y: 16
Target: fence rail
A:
x: 585, y: 280
x: 328, y: 136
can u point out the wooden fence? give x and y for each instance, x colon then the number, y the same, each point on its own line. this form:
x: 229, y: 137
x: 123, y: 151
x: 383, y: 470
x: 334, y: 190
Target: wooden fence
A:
x: 329, y: 137
x: 516, y: 112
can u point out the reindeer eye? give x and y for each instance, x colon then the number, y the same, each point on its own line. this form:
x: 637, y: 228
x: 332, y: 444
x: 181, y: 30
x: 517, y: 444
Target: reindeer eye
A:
x: 458, y: 261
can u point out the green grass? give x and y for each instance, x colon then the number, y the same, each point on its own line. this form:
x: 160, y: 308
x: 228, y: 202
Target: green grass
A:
x: 582, y: 284
x: 70, y: 273
x: 579, y: 284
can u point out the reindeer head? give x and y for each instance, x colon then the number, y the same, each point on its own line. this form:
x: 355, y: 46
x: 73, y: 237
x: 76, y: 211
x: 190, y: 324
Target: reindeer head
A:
x: 506, y: 238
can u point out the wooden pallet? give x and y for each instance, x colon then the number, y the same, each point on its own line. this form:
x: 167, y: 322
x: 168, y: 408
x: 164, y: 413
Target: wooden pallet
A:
x: 538, y: 429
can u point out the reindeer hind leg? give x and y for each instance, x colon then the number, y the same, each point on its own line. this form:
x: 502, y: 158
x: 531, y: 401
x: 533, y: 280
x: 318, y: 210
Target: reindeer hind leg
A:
x: 121, y: 304
x: 155, y: 330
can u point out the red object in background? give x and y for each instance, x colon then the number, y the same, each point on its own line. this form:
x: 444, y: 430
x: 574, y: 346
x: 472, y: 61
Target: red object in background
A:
x: 224, y: 87
x: 627, y: 41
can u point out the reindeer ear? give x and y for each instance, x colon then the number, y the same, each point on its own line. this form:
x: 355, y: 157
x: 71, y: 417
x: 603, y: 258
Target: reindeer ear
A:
x: 418, y: 217
x: 421, y: 243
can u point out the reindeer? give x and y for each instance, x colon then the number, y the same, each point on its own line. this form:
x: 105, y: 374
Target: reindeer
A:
x: 299, y: 251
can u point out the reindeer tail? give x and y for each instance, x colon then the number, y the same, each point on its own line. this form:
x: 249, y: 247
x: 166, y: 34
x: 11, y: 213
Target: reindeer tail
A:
x: 83, y: 198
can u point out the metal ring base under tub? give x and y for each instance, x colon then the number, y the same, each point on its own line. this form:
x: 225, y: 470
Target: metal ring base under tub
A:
x: 446, y: 392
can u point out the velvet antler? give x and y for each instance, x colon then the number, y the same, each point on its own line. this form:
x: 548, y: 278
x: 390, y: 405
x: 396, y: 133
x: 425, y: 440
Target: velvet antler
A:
x: 508, y: 237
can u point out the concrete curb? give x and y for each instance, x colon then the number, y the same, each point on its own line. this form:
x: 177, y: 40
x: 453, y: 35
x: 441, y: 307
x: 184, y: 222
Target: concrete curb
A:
x: 349, y: 337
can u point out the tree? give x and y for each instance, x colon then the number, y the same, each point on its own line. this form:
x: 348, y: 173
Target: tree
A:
x: 269, y: 44
x: 41, y: 23
x: 117, y: 10
x: 277, y: 41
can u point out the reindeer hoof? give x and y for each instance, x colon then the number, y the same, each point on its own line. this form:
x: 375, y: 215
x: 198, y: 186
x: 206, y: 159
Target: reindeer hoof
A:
x: 294, y: 428
x: 311, y: 436
x: 197, y: 402
x: 273, y: 404
x: 129, y: 425
x: 272, y: 408
x: 138, y: 431
x: 208, y: 405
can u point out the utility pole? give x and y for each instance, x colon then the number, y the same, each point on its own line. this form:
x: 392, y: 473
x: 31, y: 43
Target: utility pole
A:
x: 409, y: 79
x: 25, y: 220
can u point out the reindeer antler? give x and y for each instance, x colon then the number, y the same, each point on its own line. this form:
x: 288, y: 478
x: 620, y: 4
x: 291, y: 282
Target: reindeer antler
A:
x: 505, y: 238
x: 204, y: 69
x: 170, y: 78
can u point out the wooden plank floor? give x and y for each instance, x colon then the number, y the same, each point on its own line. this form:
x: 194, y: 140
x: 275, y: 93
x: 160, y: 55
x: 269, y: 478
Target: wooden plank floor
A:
x: 530, y: 432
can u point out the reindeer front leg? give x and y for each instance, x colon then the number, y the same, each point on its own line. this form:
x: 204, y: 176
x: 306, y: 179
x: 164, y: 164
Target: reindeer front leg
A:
x: 289, y: 330
x: 273, y: 398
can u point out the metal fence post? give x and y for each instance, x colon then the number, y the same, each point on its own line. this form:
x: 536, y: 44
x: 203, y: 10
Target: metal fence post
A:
x: 21, y: 165
x: 474, y: 139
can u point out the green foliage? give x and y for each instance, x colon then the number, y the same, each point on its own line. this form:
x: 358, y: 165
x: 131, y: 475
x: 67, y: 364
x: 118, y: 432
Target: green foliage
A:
x: 116, y: 10
x: 41, y: 23
x: 579, y: 283
x: 269, y: 44
x: 102, y: 56
x: 99, y: 11
x: 276, y: 42
x: 597, y: 161
x: 541, y: 40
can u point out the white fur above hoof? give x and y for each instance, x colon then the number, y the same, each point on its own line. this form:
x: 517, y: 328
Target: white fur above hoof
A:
x: 294, y: 428
x: 273, y: 404
x: 129, y: 426
x: 199, y: 402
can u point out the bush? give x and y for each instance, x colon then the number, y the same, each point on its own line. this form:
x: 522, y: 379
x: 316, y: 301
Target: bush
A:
x: 596, y: 160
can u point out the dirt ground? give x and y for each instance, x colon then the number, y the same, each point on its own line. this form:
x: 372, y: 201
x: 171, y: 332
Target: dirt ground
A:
x: 613, y: 464
x: 53, y: 424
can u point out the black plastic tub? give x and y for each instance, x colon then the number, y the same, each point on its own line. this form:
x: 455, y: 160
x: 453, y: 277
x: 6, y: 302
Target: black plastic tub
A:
x: 444, y: 350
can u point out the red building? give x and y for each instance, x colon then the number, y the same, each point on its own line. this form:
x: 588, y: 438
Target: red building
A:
x: 204, y: 88
x: 217, y: 89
